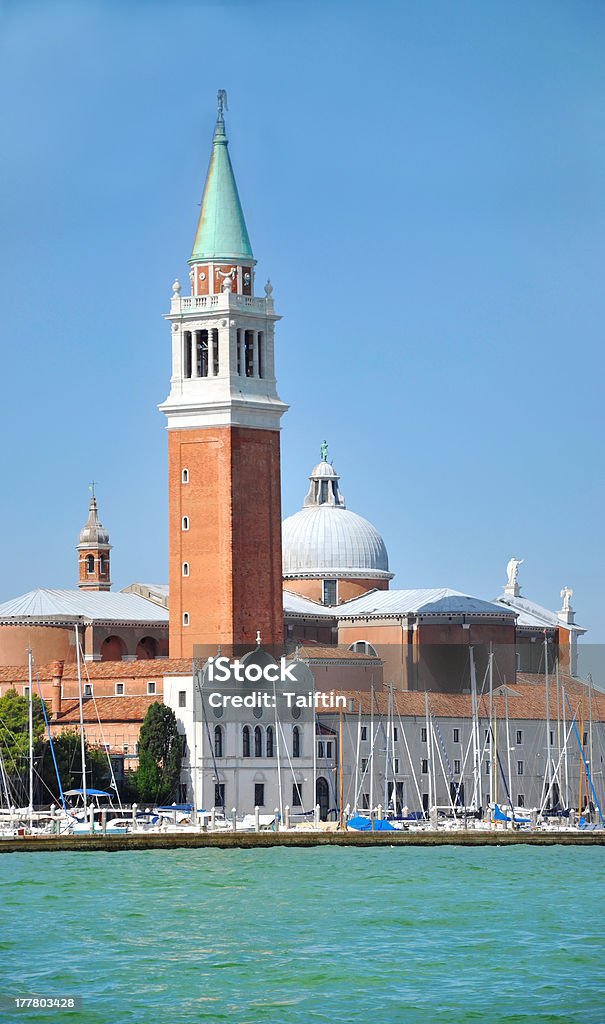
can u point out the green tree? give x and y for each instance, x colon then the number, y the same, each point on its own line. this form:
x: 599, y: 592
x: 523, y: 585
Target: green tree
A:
x: 68, y: 754
x: 160, y: 756
x: 14, y: 741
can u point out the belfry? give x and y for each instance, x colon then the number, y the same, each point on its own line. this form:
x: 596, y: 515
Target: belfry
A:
x: 223, y: 418
x: 93, y: 551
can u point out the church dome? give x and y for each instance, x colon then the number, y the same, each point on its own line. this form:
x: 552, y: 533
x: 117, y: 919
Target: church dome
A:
x: 93, y: 533
x: 327, y: 539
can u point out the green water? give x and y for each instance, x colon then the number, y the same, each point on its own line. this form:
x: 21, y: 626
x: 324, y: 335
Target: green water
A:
x: 323, y: 934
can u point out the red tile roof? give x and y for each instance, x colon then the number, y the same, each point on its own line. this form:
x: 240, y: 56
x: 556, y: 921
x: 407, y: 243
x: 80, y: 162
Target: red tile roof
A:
x: 525, y: 701
x: 107, y: 709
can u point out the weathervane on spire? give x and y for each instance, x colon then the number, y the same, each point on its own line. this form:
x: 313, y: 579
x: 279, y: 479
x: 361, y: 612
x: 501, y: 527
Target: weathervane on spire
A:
x: 91, y: 487
x: 324, y: 451
x: 222, y: 101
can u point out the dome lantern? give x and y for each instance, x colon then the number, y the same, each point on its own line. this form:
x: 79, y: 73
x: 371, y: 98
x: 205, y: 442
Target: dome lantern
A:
x: 325, y: 541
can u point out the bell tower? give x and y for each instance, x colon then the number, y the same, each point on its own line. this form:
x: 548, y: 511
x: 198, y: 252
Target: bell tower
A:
x: 93, y: 551
x: 223, y: 419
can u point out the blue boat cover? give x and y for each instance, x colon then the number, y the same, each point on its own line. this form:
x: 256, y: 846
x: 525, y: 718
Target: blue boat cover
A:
x: 89, y: 792
x: 361, y: 824
x: 499, y: 815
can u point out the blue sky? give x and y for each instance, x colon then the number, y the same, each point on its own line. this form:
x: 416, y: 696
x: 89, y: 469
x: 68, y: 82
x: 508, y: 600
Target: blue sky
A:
x: 423, y: 183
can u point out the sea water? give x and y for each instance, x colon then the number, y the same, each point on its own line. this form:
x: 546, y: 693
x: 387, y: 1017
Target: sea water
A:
x: 408, y: 935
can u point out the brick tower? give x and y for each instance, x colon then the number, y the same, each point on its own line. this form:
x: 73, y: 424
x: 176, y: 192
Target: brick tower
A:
x: 93, y: 551
x: 223, y: 415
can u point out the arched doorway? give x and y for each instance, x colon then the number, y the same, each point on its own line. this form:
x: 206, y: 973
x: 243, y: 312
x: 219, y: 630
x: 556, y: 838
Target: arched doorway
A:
x: 322, y: 797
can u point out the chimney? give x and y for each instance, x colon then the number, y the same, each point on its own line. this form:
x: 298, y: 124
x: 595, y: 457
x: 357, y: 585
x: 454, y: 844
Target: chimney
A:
x: 56, y: 672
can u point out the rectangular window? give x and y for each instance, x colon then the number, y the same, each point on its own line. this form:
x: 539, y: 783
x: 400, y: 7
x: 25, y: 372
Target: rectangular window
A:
x: 259, y: 794
x: 456, y: 767
x: 425, y: 766
x: 365, y: 801
x: 297, y: 795
x: 364, y: 764
x: 584, y: 739
x: 520, y: 800
x: 88, y: 689
x: 187, y: 354
x: 261, y: 361
x: 249, y: 353
x: 519, y: 736
x: 329, y: 592
x: 425, y: 801
x: 423, y: 734
x: 119, y: 689
x: 215, y: 352
x: 520, y: 767
x: 201, y: 348
x: 219, y: 794
x: 395, y: 734
x: 320, y: 749
x: 26, y: 691
x: 456, y: 735
x: 182, y: 698
x: 488, y: 766
x: 396, y: 765
x: 488, y: 737
x: 552, y: 738
x: 151, y: 688
x: 364, y: 732
x: 239, y: 352
x: 183, y: 746
x: 328, y: 750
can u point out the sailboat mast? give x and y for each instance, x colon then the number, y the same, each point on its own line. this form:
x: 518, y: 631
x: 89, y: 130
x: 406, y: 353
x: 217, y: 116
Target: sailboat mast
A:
x: 80, y: 702
x: 428, y: 750
x: 314, y: 749
x: 590, y: 761
x: 492, y: 731
x: 565, y: 747
x: 477, y: 794
x: 547, y: 682
x: 31, y: 738
x: 387, y: 753
x: 508, y: 764
x: 340, y: 773
x: 357, y: 749
x: 372, y: 750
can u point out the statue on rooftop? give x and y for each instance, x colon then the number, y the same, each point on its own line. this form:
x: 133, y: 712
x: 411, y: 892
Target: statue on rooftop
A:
x: 512, y: 571
x: 567, y: 594
x: 324, y: 451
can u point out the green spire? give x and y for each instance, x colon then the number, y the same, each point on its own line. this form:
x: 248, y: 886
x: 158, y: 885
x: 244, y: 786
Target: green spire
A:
x: 221, y: 231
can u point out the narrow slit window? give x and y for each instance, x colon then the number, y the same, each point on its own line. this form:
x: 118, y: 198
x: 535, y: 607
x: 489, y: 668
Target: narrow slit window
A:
x: 185, y: 476
x: 249, y: 352
x: 261, y: 361
x: 187, y: 354
x: 215, y: 353
x: 185, y: 568
x: 185, y: 522
x: 201, y: 348
x: 185, y: 618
